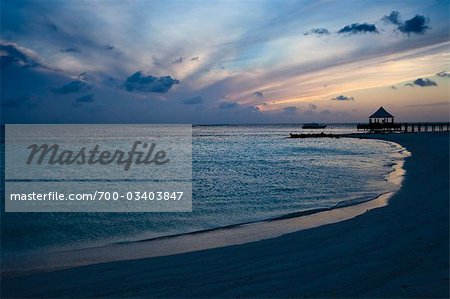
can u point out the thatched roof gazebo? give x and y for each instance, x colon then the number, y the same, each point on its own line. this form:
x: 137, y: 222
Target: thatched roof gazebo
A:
x: 381, y: 120
x: 381, y: 116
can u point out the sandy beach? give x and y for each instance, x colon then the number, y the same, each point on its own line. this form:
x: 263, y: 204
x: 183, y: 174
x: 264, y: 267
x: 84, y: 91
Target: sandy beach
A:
x: 395, y: 250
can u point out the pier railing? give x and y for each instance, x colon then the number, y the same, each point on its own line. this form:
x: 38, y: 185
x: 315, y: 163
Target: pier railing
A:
x: 406, y: 127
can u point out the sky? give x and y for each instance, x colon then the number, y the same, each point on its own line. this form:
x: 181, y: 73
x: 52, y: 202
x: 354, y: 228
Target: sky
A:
x: 223, y: 62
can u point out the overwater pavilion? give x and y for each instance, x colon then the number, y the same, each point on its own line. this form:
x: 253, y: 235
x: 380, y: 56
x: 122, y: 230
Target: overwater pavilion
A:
x: 383, y: 121
x: 381, y: 116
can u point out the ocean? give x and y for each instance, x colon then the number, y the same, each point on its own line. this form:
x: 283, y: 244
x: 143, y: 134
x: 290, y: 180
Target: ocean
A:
x: 241, y: 174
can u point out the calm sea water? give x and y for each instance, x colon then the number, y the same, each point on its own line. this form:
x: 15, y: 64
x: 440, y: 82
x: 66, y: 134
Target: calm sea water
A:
x: 240, y: 174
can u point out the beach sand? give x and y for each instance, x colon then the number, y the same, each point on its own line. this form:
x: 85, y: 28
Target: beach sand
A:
x: 398, y: 250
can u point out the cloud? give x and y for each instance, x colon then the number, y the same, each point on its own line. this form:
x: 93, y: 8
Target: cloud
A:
x: 417, y: 25
x: 13, y: 53
x: 358, y: 28
x: 228, y: 105
x: 70, y: 50
x: 178, y: 61
x: 89, y: 98
x: 443, y: 74
x: 83, y: 76
x: 194, y: 58
x: 393, y: 87
x: 393, y: 17
x: 142, y: 83
x: 258, y: 94
x: 193, y: 100
x: 312, y: 106
x: 318, y: 31
x: 72, y: 87
x: 343, y: 98
x: 424, y: 82
x: 261, y: 105
x: 290, y: 109
x: 250, y: 51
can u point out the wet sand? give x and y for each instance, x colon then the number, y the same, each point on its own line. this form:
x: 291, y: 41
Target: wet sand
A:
x: 395, y: 250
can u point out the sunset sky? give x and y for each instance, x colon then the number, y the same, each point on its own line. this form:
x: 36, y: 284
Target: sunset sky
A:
x: 215, y: 62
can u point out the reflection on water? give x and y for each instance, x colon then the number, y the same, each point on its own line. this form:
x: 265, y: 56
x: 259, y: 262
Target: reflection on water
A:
x: 241, y: 174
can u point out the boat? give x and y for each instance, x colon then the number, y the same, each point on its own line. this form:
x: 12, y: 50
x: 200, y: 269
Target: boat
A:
x: 314, y: 126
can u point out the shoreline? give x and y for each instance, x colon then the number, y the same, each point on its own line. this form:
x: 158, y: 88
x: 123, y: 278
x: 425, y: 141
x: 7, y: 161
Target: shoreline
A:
x: 211, y: 238
x: 382, y: 251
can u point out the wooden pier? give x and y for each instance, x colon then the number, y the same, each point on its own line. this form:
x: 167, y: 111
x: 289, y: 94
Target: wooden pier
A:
x: 383, y: 121
x: 406, y: 127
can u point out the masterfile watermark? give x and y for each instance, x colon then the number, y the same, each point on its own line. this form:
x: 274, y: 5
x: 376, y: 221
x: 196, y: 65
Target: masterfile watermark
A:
x: 53, y: 154
x: 98, y: 168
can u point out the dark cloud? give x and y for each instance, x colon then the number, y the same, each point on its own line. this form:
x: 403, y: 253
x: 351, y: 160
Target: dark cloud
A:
x: 194, y: 58
x: 443, y: 74
x: 109, y: 47
x: 178, y: 61
x: 70, y: 50
x: 343, y: 98
x: 290, y: 109
x: 82, y: 76
x: 312, y: 106
x: 89, y: 98
x: 393, y: 17
x: 424, y: 82
x: 417, y: 25
x: 258, y: 94
x: 72, y: 87
x: 228, y: 105
x: 358, y: 28
x: 193, y: 100
x: 142, y: 83
x: 318, y: 31
x: 12, y: 53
